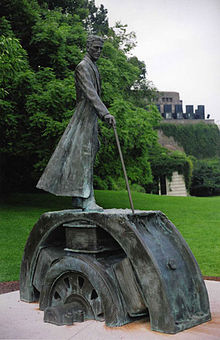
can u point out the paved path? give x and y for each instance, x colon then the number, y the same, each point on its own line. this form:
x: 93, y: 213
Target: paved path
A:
x: 20, y: 320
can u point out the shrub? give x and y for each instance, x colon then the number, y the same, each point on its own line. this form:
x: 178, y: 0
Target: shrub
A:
x: 206, y: 178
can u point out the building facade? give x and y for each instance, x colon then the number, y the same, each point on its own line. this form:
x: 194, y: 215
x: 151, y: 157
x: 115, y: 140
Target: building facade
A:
x: 170, y: 107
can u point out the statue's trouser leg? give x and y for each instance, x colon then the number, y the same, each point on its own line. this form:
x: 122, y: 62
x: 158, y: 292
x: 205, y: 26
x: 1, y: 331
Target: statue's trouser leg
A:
x: 89, y: 203
x: 81, y: 202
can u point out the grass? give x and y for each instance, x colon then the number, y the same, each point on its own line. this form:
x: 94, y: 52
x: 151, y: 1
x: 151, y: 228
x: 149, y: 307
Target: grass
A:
x: 197, y: 218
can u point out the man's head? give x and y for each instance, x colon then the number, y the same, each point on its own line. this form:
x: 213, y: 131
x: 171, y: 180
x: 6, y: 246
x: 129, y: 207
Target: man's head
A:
x: 94, y: 46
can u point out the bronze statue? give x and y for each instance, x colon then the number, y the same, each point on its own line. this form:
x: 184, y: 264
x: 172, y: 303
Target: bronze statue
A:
x: 114, y: 265
x: 70, y: 170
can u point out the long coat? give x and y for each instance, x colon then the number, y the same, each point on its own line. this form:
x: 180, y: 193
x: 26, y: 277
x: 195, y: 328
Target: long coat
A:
x: 70, y: 169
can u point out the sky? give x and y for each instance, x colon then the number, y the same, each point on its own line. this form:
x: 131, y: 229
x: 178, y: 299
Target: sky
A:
x: 179, y: 41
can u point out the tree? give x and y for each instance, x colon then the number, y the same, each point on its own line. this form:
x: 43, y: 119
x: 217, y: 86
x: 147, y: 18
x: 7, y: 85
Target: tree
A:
x: 22, y: 15
x: 13, y: 67
x: 122, y: 39
x: 97, y: 20
x: 143, y: 91
x: 57, y: 42
x: 136, y: 133
x: 50, y: 108
x: 74, y: 7
x: 15, y: 83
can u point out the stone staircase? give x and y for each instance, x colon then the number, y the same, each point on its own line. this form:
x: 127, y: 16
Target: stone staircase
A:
x: 176, y: 187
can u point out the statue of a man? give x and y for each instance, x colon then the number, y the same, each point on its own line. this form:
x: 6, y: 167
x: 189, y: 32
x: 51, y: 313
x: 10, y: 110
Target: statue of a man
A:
x: 70, y: 170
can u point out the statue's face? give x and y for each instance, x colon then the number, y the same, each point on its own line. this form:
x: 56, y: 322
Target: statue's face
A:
x: 95, y: 50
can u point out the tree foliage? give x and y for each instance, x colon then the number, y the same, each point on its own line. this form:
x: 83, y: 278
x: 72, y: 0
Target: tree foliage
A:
x: 77, y: 7
x: 57, y: 42
x: 206, y: 177
x: 97, y: 20
x: 136, y: 136
x: 14, y: 72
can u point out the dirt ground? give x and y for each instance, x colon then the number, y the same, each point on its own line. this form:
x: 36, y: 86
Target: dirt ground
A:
x: 6, y: 287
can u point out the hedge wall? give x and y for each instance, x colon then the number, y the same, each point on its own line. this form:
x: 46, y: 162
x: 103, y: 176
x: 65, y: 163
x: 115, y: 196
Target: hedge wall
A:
x: 199, y: 140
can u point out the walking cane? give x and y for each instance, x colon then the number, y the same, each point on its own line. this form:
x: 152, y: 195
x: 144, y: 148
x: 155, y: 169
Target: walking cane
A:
x: 123, y: 166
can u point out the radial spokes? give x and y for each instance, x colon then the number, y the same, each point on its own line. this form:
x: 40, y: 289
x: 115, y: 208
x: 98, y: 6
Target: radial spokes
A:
x: 72, y: 286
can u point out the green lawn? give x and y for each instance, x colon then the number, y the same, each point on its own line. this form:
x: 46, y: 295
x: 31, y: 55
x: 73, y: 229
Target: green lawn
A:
x: 198, y: 220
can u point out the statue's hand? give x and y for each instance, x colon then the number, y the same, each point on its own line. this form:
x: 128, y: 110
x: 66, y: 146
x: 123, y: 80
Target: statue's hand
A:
x: 110, y: 119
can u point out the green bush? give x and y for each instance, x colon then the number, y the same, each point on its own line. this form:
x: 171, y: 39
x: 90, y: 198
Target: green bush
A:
x: 206, y: 178
x: 137, y: 188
